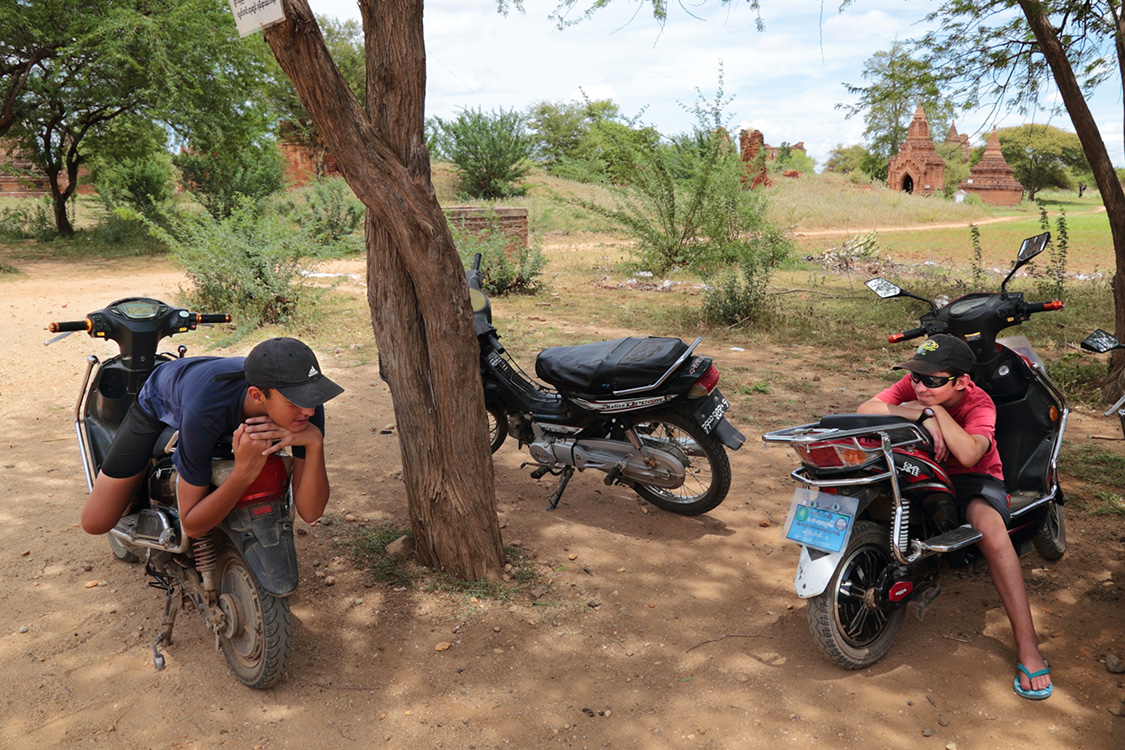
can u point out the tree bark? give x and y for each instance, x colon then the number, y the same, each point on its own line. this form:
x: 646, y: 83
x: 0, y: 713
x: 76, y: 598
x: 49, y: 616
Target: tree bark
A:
x: 1113, y: 197
x: 416, y: 283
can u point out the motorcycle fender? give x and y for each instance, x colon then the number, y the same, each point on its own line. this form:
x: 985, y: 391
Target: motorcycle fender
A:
x: 814, y: 571
x: 729, y: 435
x: 265, y: 541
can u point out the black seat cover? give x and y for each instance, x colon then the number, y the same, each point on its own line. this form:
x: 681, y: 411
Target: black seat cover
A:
x: 608, y: 366
x: 860, y: 421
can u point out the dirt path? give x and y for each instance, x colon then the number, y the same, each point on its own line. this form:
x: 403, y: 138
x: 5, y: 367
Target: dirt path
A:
x: 925, y: 227
x: 653, y: 631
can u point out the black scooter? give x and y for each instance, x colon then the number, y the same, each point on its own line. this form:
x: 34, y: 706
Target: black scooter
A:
x: 237, y: 576
x: 875, y: 518
x: 645, y: 411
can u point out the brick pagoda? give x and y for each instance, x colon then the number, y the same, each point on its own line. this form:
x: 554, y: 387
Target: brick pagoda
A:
x: 917, y: 168
x: 992, y: 179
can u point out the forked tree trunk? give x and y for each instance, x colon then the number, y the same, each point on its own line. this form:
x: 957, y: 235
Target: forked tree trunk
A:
x: 416, y: 284
x: 1096, y: 154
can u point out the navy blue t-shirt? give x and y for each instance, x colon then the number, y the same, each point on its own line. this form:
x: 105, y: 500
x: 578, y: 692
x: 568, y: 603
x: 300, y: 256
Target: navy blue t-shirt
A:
x: 183, y: 393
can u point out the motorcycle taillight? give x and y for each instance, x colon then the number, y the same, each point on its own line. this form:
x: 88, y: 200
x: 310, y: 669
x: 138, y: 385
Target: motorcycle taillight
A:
x: 705, y: 384
x: 270, y: 484
x: 831, y: 455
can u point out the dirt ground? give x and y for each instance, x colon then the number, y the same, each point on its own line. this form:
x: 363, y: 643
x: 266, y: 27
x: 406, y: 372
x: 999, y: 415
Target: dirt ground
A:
x: 652, y: 631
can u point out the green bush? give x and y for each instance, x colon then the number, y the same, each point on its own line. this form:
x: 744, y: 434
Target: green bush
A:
x: 739, y: 299
x: 490, y: 150
x: 248, y: 264
x: 684, y: 201
x: 332, y: 215
x: 145, y: 184
x: 29, y: 220
x: 506, y: 266
x: 217, y: 179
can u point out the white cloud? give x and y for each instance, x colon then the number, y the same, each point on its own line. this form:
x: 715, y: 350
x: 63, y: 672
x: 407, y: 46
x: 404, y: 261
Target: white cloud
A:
x: 786, y: 81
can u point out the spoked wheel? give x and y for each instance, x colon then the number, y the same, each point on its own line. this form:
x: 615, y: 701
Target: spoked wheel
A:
x: 258, y: 633
x: 1050, y: 542
x: 845, y: 621
x: 497, y: 426
x: 705, y: 462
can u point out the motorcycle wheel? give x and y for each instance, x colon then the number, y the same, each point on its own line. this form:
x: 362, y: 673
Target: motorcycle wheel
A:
x: 121, y: 552
x: 1050, y: 541
x: 846, y: 624
x: 706, y: 466
x: 497, y: 426
x: 258, y: 634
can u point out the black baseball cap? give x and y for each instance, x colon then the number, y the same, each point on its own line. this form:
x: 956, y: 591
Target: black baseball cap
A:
x: 290, y: 367
x: 939, y: 352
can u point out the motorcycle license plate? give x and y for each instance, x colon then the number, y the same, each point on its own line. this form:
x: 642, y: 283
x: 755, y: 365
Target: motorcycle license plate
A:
x: 712, y: 411
x: 820, y: 520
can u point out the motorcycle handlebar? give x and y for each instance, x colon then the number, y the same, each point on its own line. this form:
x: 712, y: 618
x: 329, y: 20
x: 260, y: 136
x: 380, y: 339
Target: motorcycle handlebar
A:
x: 476, y: 262
x: 913, y: 333
x: 1038, y: 307
x: 204, y: 318
x: 69, y: 325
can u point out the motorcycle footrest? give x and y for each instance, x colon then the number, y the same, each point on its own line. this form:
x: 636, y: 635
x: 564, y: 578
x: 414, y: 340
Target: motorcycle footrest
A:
x: 958, y: 538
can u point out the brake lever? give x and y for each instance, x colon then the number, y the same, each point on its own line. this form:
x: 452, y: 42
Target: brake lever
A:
x: 61, y: 336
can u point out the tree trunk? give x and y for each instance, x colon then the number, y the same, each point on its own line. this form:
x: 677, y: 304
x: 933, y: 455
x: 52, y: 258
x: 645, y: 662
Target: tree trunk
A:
x: 1113, y: 197
x: 416, y: 284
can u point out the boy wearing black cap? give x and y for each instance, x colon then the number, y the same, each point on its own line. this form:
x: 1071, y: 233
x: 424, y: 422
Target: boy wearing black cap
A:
x: 939, y: 394
x: 269, y: 400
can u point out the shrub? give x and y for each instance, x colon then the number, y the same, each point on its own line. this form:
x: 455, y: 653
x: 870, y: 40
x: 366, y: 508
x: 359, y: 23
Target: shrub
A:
x: 29, y: 220
x: 247, y: 264
x: 684, y: 201
x: 491, y: 151
x: 218, y: 178
x: 144, y: 184
x: 737, y: 299
x: 332, y: 215
x: 507, y: 267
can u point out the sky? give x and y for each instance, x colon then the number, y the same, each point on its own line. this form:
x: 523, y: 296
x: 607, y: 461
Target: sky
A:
x: 786, y: 81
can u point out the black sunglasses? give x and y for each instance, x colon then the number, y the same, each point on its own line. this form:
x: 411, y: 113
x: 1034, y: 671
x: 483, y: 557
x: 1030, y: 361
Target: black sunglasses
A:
x: 932, y: 381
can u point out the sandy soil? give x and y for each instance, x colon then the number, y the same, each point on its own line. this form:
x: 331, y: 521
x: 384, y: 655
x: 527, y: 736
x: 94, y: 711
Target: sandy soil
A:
x: 654, y: 631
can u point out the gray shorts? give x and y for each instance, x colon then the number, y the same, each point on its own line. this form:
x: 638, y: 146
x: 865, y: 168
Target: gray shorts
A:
x: 985, y: 486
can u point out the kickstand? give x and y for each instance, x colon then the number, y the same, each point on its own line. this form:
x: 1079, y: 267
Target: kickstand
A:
x: 165, y: 636
x: 925, y: 600
x: 566, y: 473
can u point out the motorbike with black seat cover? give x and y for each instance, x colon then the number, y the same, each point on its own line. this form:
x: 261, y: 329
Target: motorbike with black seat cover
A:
x: 644, y: 410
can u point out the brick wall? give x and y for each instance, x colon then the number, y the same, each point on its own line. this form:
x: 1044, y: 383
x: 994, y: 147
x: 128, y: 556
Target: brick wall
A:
x: 479, y: 220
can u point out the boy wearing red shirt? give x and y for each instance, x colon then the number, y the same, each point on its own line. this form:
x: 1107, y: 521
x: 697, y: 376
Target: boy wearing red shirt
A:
x: 939, y: 394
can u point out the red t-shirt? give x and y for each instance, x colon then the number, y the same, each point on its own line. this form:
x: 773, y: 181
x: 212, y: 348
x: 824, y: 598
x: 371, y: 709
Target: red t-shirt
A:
x: 976, y: 414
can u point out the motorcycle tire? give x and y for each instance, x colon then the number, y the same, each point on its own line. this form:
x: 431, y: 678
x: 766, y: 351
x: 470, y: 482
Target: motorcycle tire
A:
x: 121, y: 552
x: 497, y: 426
x: 846, y: 626
x: 1050, y: 541
x: 258, y: 634
x: 706, y: 466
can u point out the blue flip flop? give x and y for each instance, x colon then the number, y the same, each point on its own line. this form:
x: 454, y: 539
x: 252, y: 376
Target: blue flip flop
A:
x: 1033, y: 695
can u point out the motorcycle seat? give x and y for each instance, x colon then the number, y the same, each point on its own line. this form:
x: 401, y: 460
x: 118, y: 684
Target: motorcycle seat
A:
x: 604, y: 367
x: 861, y: 421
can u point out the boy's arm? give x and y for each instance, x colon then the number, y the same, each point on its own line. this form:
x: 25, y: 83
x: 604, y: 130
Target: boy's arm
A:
x: 310, y: 479
x: 201, y: 511
x: 967, y: 449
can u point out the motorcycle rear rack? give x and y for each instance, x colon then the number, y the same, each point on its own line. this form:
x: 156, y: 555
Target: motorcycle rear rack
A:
x: 675, y: 366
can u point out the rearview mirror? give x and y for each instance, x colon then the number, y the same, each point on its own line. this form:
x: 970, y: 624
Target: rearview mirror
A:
x: 1032, y: 246
x: 1100, y: 341
x: 883, y: 288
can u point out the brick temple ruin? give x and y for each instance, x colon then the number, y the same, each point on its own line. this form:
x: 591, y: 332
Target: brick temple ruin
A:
x: 918, y: 169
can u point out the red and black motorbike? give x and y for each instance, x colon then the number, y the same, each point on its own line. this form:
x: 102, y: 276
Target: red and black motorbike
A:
x: 875, y: 518
x: 237, y: 576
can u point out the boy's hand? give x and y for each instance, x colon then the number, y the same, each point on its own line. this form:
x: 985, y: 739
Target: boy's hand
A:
x: 278, y: 437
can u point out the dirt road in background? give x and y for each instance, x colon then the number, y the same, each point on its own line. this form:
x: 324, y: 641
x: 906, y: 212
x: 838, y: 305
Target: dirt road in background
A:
x: 651, y: 631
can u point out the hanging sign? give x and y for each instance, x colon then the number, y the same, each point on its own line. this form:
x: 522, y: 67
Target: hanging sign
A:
x: 253, y: 15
